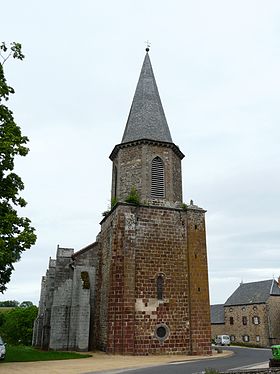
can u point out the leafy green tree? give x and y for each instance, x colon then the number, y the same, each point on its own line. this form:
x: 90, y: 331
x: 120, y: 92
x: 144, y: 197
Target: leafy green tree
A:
x: 26, y: 304
x: 16, y: 233
x: 9, y: 303
x: 18, y: 325
x: 2, y: 318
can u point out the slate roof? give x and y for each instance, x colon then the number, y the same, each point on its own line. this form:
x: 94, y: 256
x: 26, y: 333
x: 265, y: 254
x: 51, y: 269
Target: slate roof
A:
x: 217, y: 314
x: 146, y: 118
x: 253, y: 293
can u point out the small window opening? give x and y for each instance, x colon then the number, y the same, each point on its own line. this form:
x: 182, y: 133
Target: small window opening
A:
x: 244, y: 320
x: 160, y: 286
x: 256, y: 320
x: 231, y: 320
x: 158, y: 183
x: 195, y: 227
x: 161, y: 332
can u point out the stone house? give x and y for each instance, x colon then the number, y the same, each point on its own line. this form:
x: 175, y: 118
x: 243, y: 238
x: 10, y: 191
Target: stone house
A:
x: 217, y: 320
x: 142, y: 287
x: 252, y: 314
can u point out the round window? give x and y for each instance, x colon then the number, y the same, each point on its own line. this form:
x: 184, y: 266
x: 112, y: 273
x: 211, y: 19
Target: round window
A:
x: 161, y: 332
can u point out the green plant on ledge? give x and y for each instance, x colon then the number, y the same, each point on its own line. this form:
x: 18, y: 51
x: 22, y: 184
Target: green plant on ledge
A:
x: 184, y: 206
x: 114, y: 202
x: 133, y: 197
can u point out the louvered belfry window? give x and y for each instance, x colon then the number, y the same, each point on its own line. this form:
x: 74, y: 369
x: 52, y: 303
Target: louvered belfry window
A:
x: 157, y: 187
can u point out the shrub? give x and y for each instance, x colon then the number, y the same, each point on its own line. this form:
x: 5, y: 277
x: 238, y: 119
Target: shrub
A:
x: 18, y: 325
x: 133, y: 197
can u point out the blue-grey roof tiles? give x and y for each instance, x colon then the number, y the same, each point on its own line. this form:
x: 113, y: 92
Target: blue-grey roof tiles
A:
x: 217, y: 314
x: 254, y: 293
x: 146, y: 118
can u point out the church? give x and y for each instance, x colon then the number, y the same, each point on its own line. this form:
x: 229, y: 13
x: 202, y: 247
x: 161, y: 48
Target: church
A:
x: 142, y: 287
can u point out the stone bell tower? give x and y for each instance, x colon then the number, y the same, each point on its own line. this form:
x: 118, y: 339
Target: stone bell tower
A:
x: 147, y: 158
x: 152, y: 282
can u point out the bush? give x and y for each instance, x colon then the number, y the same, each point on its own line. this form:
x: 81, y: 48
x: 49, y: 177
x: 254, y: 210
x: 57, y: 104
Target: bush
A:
x: 9, y: 303
x: 18, y: 325
x: 133, y: 197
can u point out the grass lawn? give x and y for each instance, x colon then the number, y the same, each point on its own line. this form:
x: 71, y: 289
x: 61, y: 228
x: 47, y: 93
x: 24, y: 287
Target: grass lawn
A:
x: 4, y: 309
x: 22, y: 353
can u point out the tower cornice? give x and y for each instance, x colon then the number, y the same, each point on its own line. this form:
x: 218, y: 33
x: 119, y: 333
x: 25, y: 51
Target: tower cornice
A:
x: 174, y: 147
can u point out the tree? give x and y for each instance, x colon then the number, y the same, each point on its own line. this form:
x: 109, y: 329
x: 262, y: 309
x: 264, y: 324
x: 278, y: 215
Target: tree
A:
x: 9, y: 303
x: 26, y: 304
x: 16, y: 233
x: 17, y: 326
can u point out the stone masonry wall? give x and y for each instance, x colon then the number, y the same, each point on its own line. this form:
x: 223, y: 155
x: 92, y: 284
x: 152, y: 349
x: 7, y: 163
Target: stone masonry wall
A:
x: 160, y: 249
x: 61, y: 307
x: 83, y: 280
x: 83, y: 296
x: 66, y: 307
x: 99, y: 335
x: 217, y: 329
x: 273, y: 306
x: 45, y: 305
x: 38, y: 323
x: 133, y: 165
x: 258, y: 333
x: 138, y: 244
x: 199, y: 308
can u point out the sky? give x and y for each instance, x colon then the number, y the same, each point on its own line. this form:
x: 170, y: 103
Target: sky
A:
x: 216, y: 65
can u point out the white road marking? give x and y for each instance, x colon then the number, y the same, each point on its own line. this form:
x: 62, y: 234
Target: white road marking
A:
x: 259, y: 365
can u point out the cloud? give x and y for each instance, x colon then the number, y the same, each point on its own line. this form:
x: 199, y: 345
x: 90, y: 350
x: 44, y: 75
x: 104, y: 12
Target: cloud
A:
x: 217, y: 68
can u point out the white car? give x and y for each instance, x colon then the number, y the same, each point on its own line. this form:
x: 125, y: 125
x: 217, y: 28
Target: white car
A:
x: 2, y: 349
x: 222, y: 340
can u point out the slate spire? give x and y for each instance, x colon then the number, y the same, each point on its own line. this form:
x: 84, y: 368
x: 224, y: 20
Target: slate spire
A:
x: 146, y: 119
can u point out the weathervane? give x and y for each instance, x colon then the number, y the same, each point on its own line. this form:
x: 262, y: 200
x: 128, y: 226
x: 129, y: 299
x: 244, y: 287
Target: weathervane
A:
x: 148, y: 45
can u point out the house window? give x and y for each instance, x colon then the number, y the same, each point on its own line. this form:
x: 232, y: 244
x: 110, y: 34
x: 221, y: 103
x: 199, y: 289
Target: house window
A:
x: 258, y: 338
x: 158, y: 184
x: 232, y: 338
x: 256, y: 320
x: 244, y: 320
x: 231, y: 320
x: 160, y: 286
x: 245, y: 338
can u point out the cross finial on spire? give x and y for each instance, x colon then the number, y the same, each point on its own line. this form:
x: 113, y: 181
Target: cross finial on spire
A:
x: 148, y: 45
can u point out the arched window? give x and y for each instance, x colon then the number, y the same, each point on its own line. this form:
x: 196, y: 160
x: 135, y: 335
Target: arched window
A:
x: 157, y: 185
x: 160, y: 287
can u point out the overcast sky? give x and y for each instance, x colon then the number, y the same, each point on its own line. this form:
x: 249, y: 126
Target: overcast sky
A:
x: 217, y: 67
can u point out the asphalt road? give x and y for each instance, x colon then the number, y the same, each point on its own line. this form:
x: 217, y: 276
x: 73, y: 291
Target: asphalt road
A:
x: 242, y: 357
